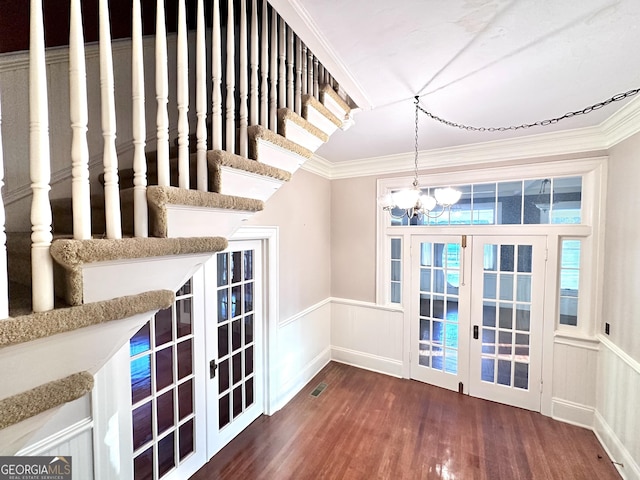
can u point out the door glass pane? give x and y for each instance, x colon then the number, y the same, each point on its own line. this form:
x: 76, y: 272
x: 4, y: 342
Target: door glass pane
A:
x: 490, y: 286
x: 505, y: 361
x: 248, y: 265
x: 183, y: 312
x: 163, y: 327
x: 186, y: 439
x: 506, y: 286
x: 166, y: 454
x: 163, y: 351
x: 223, y: 340
x: 438, y: 322
x: 521, y: 375
x: 236, y: 267
x: 165, y: 411
x: 223, y: 269
x: 224, y: 411
x: 504, y: 372
x: 143, y: 465
x: 489, y: 314
x: 140, y: 378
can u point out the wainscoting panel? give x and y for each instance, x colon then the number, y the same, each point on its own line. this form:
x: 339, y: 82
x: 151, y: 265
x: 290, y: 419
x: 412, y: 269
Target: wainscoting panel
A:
x: 575, y: 365
x: 303, y: 350
x: 617, y: 420
x: 76, y: 442
x: 367, y: 336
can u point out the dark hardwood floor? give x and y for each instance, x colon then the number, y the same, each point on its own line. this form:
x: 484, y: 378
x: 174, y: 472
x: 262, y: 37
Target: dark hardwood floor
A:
x: 367, y: 425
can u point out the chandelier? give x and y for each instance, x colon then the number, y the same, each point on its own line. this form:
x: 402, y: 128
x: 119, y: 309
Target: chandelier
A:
x: 413, y: 202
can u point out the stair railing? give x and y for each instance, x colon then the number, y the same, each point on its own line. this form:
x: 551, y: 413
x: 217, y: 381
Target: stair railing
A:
x: 267, y: 67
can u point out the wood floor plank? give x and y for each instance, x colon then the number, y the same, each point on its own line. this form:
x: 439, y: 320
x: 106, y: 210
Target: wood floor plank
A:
x: 367, y: 425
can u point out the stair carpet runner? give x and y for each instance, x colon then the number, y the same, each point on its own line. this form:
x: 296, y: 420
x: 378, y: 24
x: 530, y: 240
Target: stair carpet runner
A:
x: 238, y: 188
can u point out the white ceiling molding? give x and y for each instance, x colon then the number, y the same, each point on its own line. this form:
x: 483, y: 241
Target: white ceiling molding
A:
x: 318, y: 165
x: 303, y: 25
x: 622, y: 124
x: 618, y: 127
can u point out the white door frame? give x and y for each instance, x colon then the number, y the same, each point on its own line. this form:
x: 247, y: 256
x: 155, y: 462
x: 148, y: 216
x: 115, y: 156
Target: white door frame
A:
x: 269, y: 236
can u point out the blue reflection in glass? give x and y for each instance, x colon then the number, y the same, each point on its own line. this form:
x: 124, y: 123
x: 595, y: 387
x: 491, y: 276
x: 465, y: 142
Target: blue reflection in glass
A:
x: 140, y: 342
x: 140, y: 378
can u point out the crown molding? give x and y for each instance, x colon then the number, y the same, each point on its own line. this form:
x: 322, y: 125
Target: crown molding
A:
x: 618, y: 127
x: 319, y: 166
x: 622, y: 124
x: 302, y: 23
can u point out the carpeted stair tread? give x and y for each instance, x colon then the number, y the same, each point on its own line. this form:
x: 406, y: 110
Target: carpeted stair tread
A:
x: 258, y: 132
x: 72, y: 253
x: 25, y: 328
x: 311, y: 101
x: 27, y: 404
x: 222, y: 158
x: 285, y: 114
x: 328, y: 90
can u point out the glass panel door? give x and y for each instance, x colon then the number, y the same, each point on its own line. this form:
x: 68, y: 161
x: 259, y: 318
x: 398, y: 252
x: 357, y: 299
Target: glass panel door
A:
x: 165, y: 392
x: 439, y: 311
x: 507, y: 308
x: 234, y: 338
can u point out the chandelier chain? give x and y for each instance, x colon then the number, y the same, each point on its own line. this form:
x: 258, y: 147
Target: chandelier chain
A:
x: 540, y: 123
x: 415, y: 159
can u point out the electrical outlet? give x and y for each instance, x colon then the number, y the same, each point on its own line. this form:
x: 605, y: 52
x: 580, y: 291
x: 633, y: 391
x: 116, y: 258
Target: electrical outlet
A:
x: 606, y: 328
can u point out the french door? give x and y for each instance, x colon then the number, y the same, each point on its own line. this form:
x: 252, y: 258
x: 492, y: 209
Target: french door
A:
x: 477, y: 315
x: 234, y: 320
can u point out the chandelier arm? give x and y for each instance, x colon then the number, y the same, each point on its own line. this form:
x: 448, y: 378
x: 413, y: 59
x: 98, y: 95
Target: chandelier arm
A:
x: 540, y: 123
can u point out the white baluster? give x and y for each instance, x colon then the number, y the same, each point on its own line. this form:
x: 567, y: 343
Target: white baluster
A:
x: 309, y: 72
x: 290, y: 78
x: 282, y: 67
x: 243, y: 114
x: 80, y: 192
x: 315, y: 78
x: 253, y: 84
x: 201, y: 100
x: 305, y: 79
x: 273, y: 74
x: 162, y: 97
x: 298, y: 102
x: 320, y: 74
x: 140, y: 210
x: 40, y: 168
x: 4, y: 278
x: 230, y: 74
x: 264, y: 67
x: 109, y: 158
x: 183, y: 97
x: 216, y: 77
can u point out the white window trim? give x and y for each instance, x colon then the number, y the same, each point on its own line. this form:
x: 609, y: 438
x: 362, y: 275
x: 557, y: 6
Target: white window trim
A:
x: 593, y: 171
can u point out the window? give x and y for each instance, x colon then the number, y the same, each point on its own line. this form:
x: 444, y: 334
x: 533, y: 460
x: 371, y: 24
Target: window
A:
x: 521, y: 202
x: 396, y: 270
x: 569, y: 282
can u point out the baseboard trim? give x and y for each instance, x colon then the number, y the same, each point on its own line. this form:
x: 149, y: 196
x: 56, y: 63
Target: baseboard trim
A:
x: 375, y: 363
x: 57, y: 438
x: 295, y: 385
x: 572, y: 413
x: 629, y: 470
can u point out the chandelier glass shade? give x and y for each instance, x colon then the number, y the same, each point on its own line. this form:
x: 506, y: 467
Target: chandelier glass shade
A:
x: 414, y: 201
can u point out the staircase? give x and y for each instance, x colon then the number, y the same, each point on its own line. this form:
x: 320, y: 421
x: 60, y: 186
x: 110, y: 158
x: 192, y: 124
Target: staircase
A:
x: 156, y: 223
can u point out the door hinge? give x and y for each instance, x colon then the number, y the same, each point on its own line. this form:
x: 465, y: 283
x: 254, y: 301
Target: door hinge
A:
x: 540, y: 386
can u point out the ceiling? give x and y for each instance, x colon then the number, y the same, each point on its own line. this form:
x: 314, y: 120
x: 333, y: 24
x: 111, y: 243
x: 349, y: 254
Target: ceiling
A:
x: 475, y: 62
